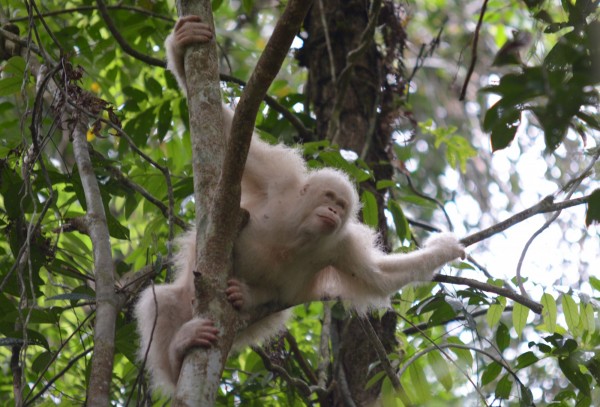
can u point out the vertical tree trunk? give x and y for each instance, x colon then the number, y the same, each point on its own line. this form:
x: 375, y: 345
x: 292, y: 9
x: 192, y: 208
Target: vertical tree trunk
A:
x: 335, y: 29
x: 218, y: 187
x: 201, y: 371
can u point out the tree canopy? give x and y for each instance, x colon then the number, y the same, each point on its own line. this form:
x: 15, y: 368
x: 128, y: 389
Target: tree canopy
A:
x: 479, y: 117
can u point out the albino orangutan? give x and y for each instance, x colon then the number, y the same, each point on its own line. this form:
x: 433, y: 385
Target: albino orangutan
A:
x: 303, y: 242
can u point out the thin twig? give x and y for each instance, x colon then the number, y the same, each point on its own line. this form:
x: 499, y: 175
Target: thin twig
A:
x: 429, y: 198
x: 303, y: 388
x: 59, y: 375
x: 343, y: 81
x: 55, y: 355
x: 327, y: 41
x: 571, y: 185
x: 304, y: 133
x: 474, y: 51
x: 439, y: 347
x: 419, y: 328
x: 119, y: 176
x: 459, y: 368
x: 300, y: 358
x: 544, y: 206
x: 532, y: 305
x: 85, y: 9
x: 380, y: 350
x: 103, y: 10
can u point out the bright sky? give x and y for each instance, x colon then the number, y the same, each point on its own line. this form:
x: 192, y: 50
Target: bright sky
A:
x: 556, y: 256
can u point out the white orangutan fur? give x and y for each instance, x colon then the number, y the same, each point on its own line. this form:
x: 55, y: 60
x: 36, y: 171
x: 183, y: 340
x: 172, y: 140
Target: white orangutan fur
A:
x: 303, y: 243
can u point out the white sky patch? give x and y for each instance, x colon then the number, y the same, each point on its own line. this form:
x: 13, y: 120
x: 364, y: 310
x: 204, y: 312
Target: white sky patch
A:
x: 349, y: 155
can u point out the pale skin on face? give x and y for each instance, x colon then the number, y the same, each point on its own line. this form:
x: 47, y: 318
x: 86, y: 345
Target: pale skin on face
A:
x: 303, y: 242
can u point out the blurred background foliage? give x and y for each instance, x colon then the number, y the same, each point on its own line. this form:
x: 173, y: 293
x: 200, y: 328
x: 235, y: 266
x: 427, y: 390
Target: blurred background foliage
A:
x: 527, y: 127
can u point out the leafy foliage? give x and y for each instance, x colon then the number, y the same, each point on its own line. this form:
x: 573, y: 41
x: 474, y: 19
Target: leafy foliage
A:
x: 559, y: 90
x: 451, y: 339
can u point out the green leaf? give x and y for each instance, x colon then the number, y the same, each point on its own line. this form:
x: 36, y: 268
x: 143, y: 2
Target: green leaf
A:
x: 42, y: 361
x: 520, y: 314
x: 494, y: 314
x: 503, y: 387
x: 588, y: 321
x: 216, y: 4
x: 369, y: 209
x: 247, y: 5
x: 526, y: 359
x: 440, y: 368
x: 502, y: 337
x: 375, y: 379
x: 419, y: 383
x: 115, y: 229
x: 10, y: 86
x: 406, y: 299
x: 464, y: 355
x: 442, y: 313
x: 503, y: 123
x: 526, y: 396
x: 593, y: 366
x: 549, y: 312
x: 572, y: 371
x: 592, y: 214
x: 595, y: 283
x: 571, y: 312
x: 15, y: 66
x: 165, y: 115
x: 400, y: 221
x: 491, y: 372
x: 153, y: 86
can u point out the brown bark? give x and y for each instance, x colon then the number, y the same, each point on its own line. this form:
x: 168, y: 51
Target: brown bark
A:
x: 363, y: 129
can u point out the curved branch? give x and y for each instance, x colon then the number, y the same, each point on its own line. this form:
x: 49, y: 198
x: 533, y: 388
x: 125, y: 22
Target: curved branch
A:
x: 304, y: 133
x: 414, y: 329
x: 303, y: 388
x: 532, y: 305
x: 83, y: 9
x: 103, y: 10
x: 474, y: 51
x: 544, y: 206
x: 570, y: 188
x: 166, y: 210
x: 380, y: 350
x: 436, y: 201
x: 242, y: 127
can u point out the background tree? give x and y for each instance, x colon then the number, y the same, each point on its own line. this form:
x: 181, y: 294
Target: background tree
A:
x: 410, y: 99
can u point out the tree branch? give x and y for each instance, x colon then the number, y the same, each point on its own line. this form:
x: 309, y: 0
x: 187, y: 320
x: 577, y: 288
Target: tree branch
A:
x: 473, y: 51
x: 380, y: 350
x: 104, y: 270
x: 544, y: 206
x: 201, y: 371
x: 223, y: 224
x: 426, y: 325
x: 166, y: 210
x: 303, y: 388
x: 532, y: 305
x: 84, y: 9
x: 266, y: 69
x: 103, y: 10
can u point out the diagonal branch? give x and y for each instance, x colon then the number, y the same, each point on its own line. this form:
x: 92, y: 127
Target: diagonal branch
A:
x: 473, y: 51
x: 532, y: 305
x: 117, y: 35
x: 544, y: 206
